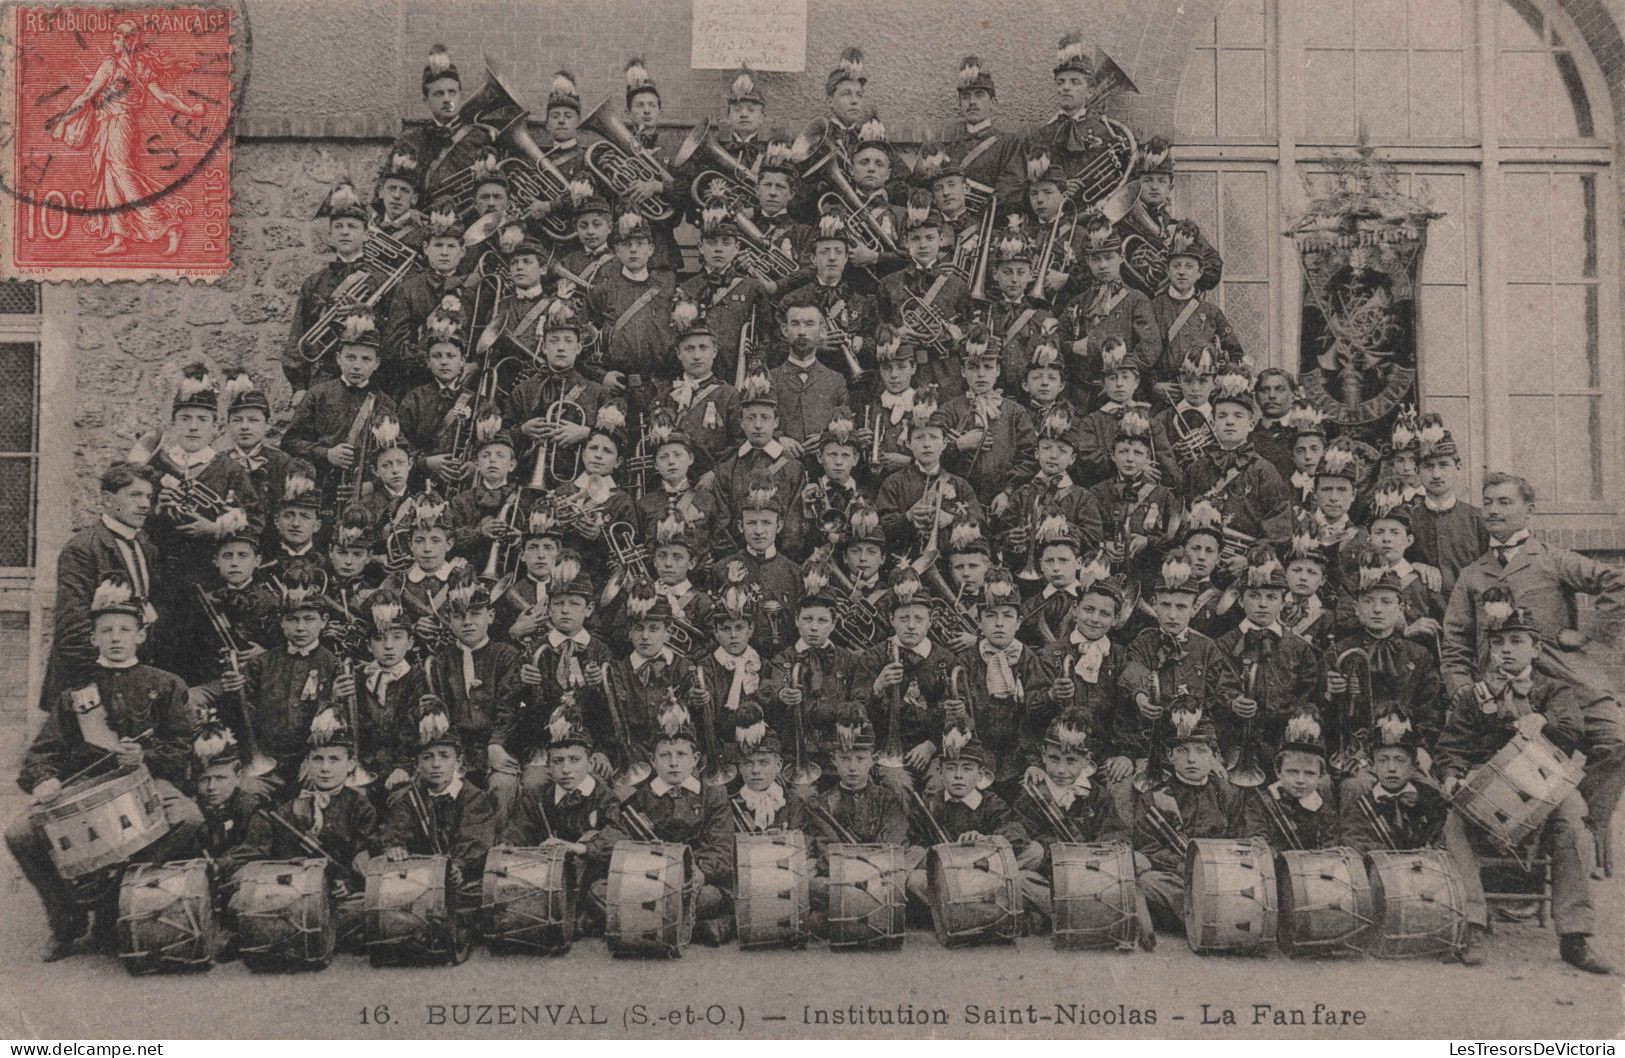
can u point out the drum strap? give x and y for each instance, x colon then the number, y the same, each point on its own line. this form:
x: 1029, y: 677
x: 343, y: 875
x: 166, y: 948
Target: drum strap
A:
x: 1191, y: 305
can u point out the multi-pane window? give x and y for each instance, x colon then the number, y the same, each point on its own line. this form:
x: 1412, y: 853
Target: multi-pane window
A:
x: 19, y: 423
x: 1484, y: 107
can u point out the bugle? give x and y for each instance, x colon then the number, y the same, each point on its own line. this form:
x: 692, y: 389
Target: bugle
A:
x: 635, y: 770
x: 259, y: 763
x: 800, y: 771
x: 1357, y: 715
x: 501, y: 550
x: 1243, y: 767
x: 557, y: 463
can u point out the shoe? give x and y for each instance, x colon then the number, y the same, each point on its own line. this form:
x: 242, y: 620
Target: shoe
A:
x: 1576, y: 951
x: 1148, y: 940
x: 61, y: 948
x: 714, y: 932
x: 1471, y: 952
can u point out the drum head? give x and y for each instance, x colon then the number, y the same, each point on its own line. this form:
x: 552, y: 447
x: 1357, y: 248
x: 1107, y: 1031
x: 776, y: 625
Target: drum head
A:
x: 166, y: 918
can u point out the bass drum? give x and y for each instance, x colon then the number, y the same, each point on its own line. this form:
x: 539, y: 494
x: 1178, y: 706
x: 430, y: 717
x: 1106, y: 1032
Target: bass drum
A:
x: 774, y: 875
x: 1421, y: 904
x: 528, y: 899
x: 166, y: 917
x: 1096, y: 896
x: 1326, y: 901
x: 411, y: 913
x: 974, y: 892
x: 650, y: 905
x: 1230, y: 900
x: 867, y: 896
x: 283, y: 913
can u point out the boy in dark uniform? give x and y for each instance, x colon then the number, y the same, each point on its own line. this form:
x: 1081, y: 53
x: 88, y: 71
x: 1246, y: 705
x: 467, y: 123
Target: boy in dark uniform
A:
x: 572, y: 808
x: 1511, y: 698
x: 248, y: 420
x: 887, y: 416
x: 1195, y: 801
x: 774, y: 577
x: 924, y: 494
x: 990, y: 159
x: 1277, y: 669
x: 1450, y: 534
x: 435, y: 414
x: 1291, y: 812
x: 441, y: 812
x: 1107, y: 307
x: 245, y: 601
x: 1189, y: 321
x: 486, y: 516
x: 643, y: 106
x: 448, y: 143
x: 1098, y: 431
x: 726, y: 295
x: 1051, y: 490
x: 702, y: 515
x: 807, y: 683
x: 1059, y: 553
x: 995, y: 436
x: 1400, y: 808
x: 1056, y: 227
x: 590, y: 256
x: 419, y: 294
x: 478, y: 681
x: 762, y: 801
x: 347, y: 234
x: 558, y: 382
x: 763, y: 459
x: 1073, y: 137
x: 1086, y: 668
x: 1306, y: 611
x: 1015, y: 325
x: 845, y: 300
x: 1006, y: 682
x: 296, y: 523
x: 388, y: 686
x: 1156, y: 181
x: 321, y: 426
x: 703, y: 407
x: 732, y: 671
x: 680, y: 810
x: 928, y: 292
x: 648, y: 679
x: 227, y: 808
x: 1134, y: 510
x: 136, y: 714
x: 909, y: 683
x: 856, y: 808
x: 595, y: 492
x: 630, y: 306
x: 1243, y: 485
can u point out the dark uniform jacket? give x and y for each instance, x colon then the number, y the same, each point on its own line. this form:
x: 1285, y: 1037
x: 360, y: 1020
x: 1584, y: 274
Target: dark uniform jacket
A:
x: 1211, y: 810
x: 1254, y: 501
x: 1092, y: 817
x: 983, y: 812
x: 1197, y: 665
x: 702, y: 821
x: 569, y: 815
x: 1006, y: 457
x: 1411, y: 826
x: 132, y: 700
x: 461, y: 827
x: 1482, y: 719
x: 1287, y: 678
x: 829, y: 679
x: 1314, y: 823
x: 874, y: 815
x: 89, y: 555
x: 481, y: 711
x: 347, y: 824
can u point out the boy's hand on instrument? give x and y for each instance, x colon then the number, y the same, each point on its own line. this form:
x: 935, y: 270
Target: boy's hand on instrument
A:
x: 1118, y: 769
x: 614, y: 383
x: 920, y: 755
x: 341, y: 456
x: 1432, y: 579
x: 890, y: 676
x: 1148, y: 709
x: 232, y: 682
x: 1244, y: 707
x: 971, y: 837
x: 961, y: 640
x: 196, y: 528
x: 530, y: 675
x: 793, y: 447
x: 593, y: 671
x: 1061, y: 690
x: 1336, y: 682
x: 601, y: 767
x: 456, y: 875
x: 425, y: 627
x: 790, y: 696
x: 1000, y: 504
x: 970, y: 440
x: 1530, y: 724
x: 699, y: 697
x: 1114, y: 550
x: 395, y: 853
x: 398, y: 777
x: 249, y: 653
x: 344, y: 686
x: 1422, y: 628
x: 47, y: 791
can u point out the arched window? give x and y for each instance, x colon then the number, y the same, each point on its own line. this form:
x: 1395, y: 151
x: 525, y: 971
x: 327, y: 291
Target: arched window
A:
x: 1496, y: 112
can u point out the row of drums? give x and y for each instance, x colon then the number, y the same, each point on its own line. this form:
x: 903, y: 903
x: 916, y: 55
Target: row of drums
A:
x: 1240, y: 896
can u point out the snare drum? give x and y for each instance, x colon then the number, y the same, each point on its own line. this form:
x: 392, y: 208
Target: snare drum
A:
x: 1229, y: 895
x: 411, y: 912
x: 867, y: 896
x: 528, y: 899
x: 166, y: 917
x: 1326, y: 903
x: 101, y: 822
x: 1511, y: 796
x: 650, y: 904
x: 283, y: 911
x: 1421, y: 904
x: 1096, y: 896
x: 974, y: 892
x: 775, y: 901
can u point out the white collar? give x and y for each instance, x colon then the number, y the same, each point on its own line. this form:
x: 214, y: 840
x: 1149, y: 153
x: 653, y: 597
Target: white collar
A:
x: 678, y: 590
x: 980, y: 126
x: 1403, y: 570
x: 773, y: 449
x: 1070, y: 590
x: 1076, y: 115
x: 588, y: 785
x: 772, y: 550
x: 580, y: 637
x: 119, y: 529
x: 105, y: 664
x: 300, y: 553
x: 1189, y: 295
x: 921, y: 649
x: 802, y: 366
x: 295, y: 652
x: 528, y: 293
x: 1092, y: 646
x: 188, y: 460
x: 1248, y: 626
x: 1517, y: 539
x: 1439, y: 507
x: 417, y: 574
x: 452, y: 790
x: 931, y: 474
x: 661, y: 787
x: 972, y: 800
x: 637, y: 661
x: 642, y: 277
x: 905, y: 399
x: 1060, y: 483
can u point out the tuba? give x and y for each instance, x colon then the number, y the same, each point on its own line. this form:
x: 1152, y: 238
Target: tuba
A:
x: 1107, y: 166
x: 541, y: 179
x: 495, y: 106
x: 385, y: 261
x: 728, y: 182
x: 618, y: 160
x: 758, y: 256
x: 856, y: 210
x: 1145, y: 254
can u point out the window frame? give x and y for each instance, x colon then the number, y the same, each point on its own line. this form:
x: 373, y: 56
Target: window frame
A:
x: 1487, y: 157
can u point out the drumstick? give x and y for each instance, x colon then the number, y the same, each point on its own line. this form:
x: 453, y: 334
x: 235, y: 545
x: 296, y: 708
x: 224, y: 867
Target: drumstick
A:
x: 936, y: 824
x: 312, y: 845
x: 547, y: 824
x: 104, y: 758
x: 828, y: 819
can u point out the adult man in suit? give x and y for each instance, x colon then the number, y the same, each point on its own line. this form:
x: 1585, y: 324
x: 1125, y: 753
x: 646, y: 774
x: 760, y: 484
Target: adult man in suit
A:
x: 116, y: 543
x: 1546, y: 581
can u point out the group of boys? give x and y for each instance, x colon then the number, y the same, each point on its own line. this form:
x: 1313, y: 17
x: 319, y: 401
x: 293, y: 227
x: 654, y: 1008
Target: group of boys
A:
x: 917, y: 563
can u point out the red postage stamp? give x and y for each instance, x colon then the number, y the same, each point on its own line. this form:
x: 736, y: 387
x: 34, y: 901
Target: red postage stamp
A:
x: 115, y: 140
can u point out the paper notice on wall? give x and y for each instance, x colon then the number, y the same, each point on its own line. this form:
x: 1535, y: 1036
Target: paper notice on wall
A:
x: 765, y: 34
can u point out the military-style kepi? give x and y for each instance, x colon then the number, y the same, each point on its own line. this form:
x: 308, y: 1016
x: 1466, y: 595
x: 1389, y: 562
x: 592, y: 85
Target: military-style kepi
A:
x: 1264, y: 570
x: 439, y: 67
x: 751, y: 733
x: 115, y: 595
x: 1156, y: 156
x: 570, y: 578
x: 327, y: 728
x: 1069, y: 731
x: 241, y: 394
x: 434, y: 726
x: 1189, y: 722
x: 848, y: 68
x: 214, y: 743
x: 973, y: 75
x: 342, y: 202
x: 1073, y: 54
x: 563, y: 93
x: 567, y: 727
x: 853, y: 729
x: 744, y: 87
x: 1501, y: 613
x: 1303, y: 733
x: 638, y: 80
x: 1099, y: 234
x: 358, y: 326
x: 196, y: 389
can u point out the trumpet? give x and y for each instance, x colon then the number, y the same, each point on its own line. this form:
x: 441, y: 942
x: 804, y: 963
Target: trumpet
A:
x: 630, y: 559
x: 760, y: 257
x: 360, y: 776
x: 982, y: 263
x: 501, y: 550
x: 847, y: 342
x: 800, y: 772
x: 1244, y: 767
x: 856, y: 211
x: 618, y: 161
x: 555, y: 462
x: 385, y: 261
x: 189, y: 498
x: 1029, y: 569
x: 1153, y: 749
x: 642, y: 464
x: 1046, y: 257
